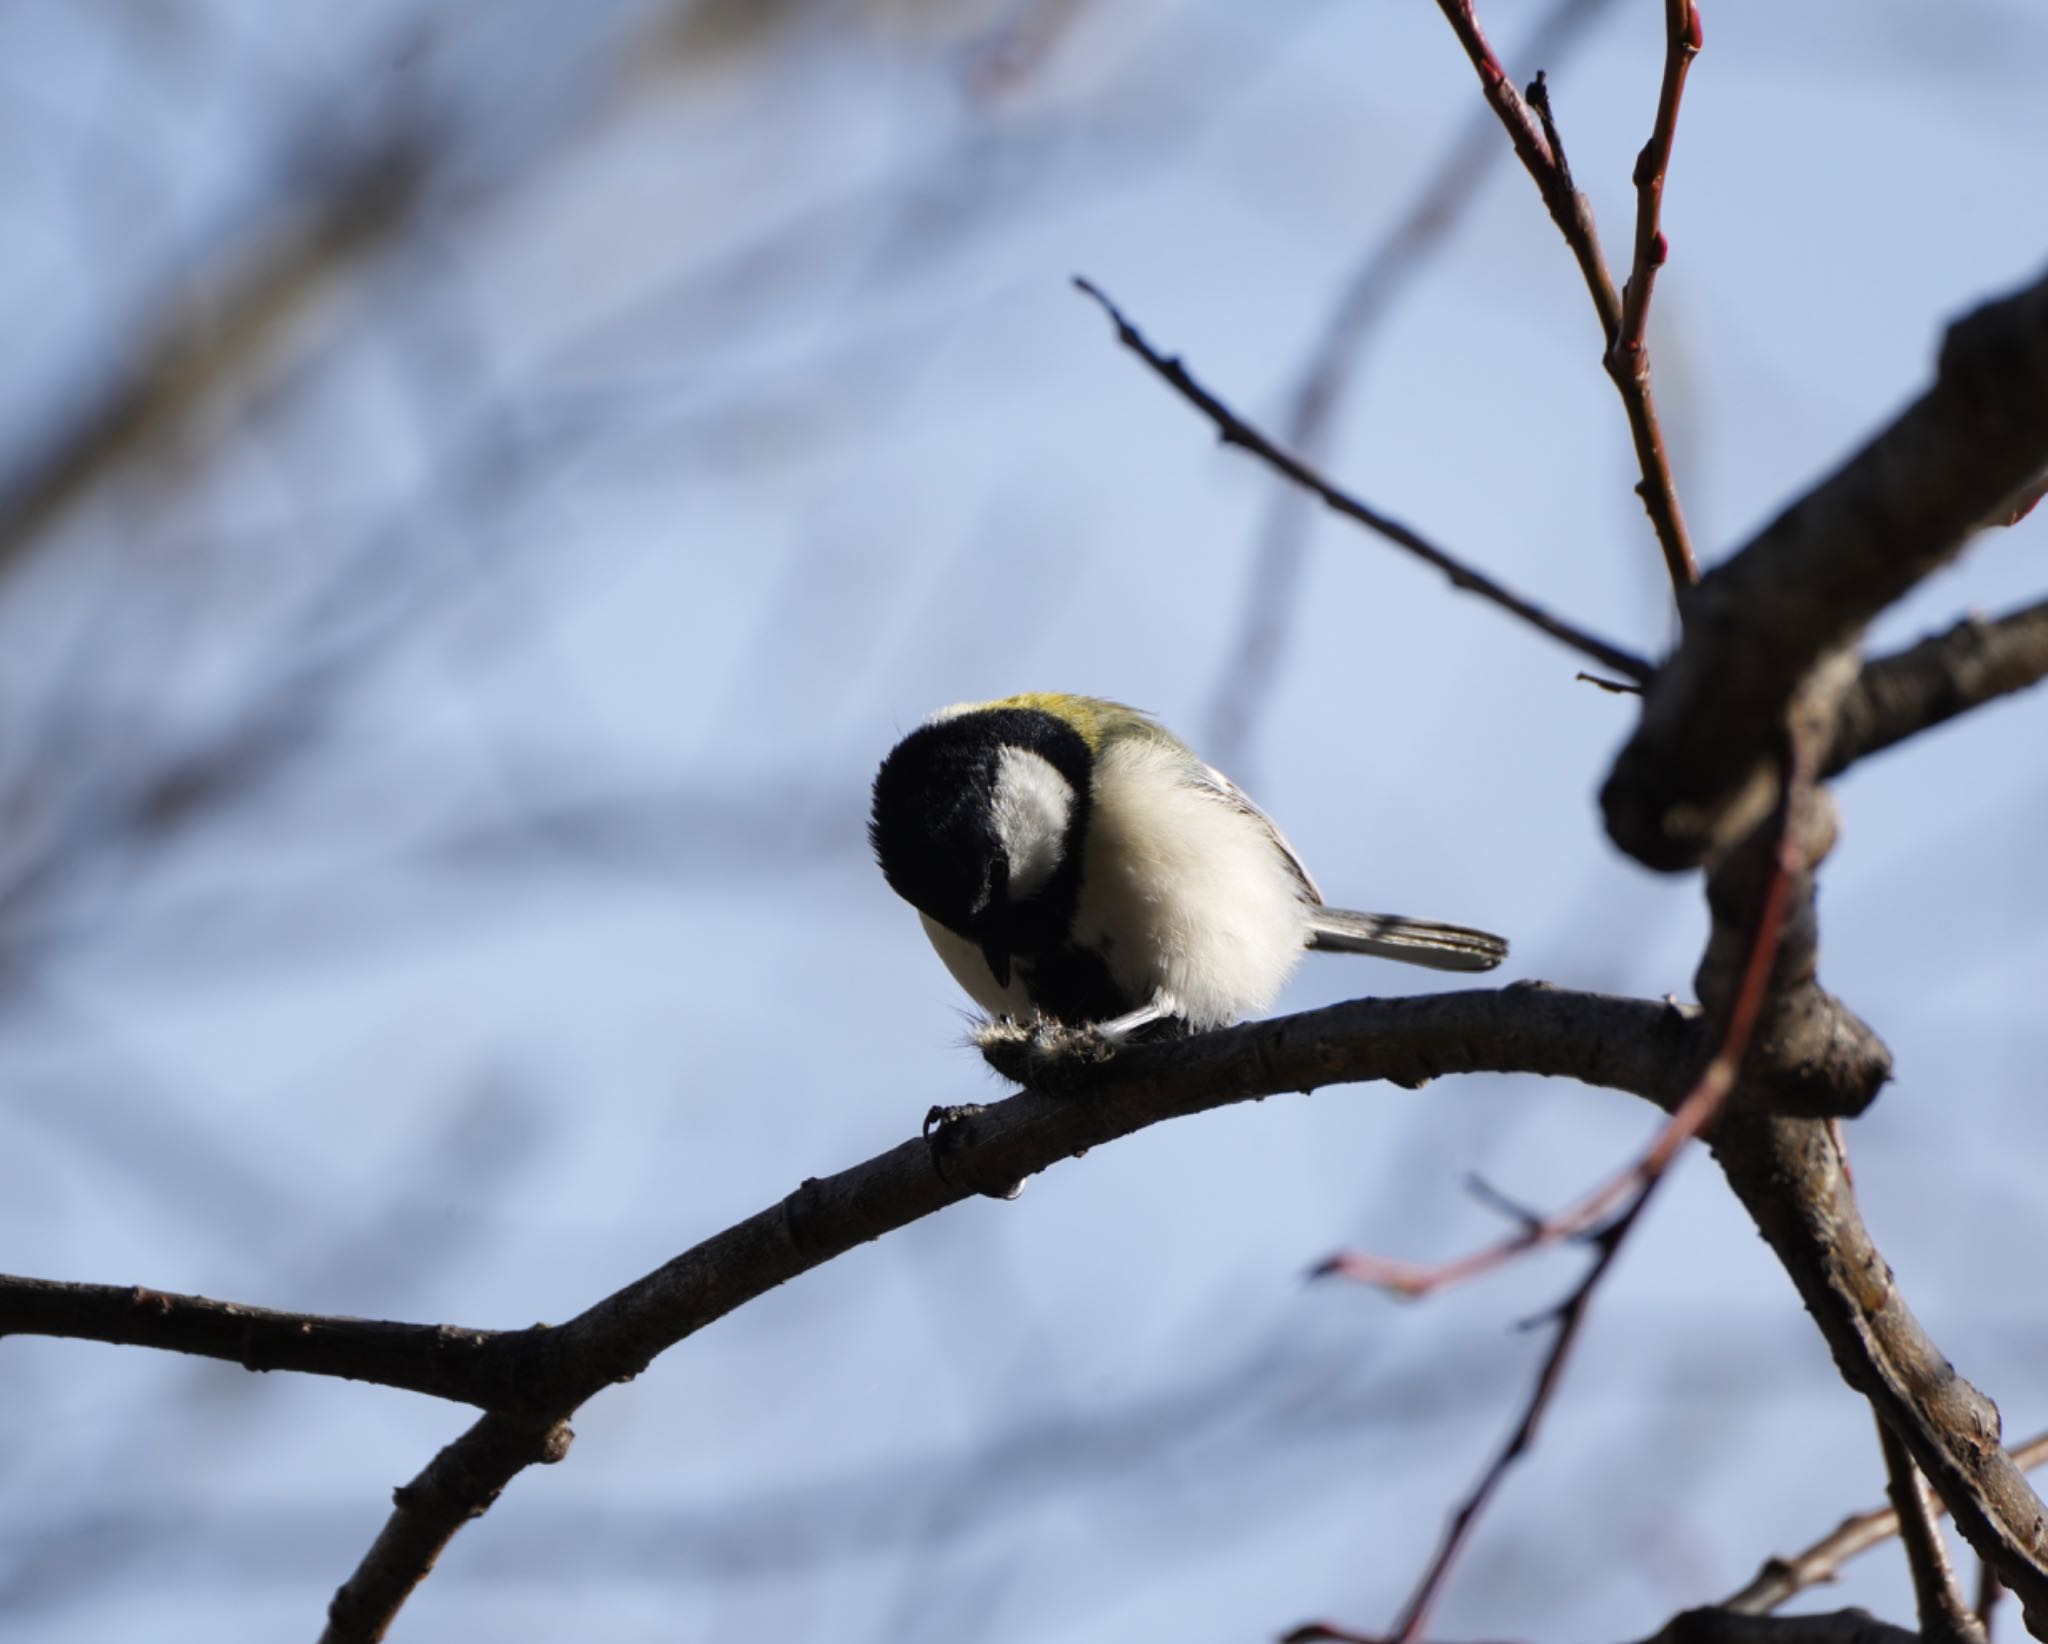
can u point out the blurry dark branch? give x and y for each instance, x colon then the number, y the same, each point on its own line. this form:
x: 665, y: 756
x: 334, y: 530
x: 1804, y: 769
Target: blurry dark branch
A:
x: 328, y: 219
x: 1944, y: 1616
x: 1630, y: 1044
x: 1532, y: 129
x: 1906, y: 504
x: 1975, y: 662
x: 1735, y: 1627
x: 1398, y: 256
x: 1233, y: 430
x: 1782, y: 1579
x: 1707, y: 1626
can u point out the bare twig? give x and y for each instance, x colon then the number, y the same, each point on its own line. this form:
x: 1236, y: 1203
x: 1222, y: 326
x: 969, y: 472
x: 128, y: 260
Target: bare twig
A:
x: 1781, y: 1579
x: 1397, y: 256
x: 1628, y: 356
x: 1234, y: 430
x: 1989, y: 1590
x: 1944, y: 1617
x: 1569, y: 1319
x: 1532, y: 127
x: 1614, y: 687
x: 459, y: 1484
x: 438, y: 1359
x: 1975, y: 662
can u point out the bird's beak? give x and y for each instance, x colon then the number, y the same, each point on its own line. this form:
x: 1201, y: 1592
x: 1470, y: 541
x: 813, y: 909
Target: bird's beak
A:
x: 998, y: 958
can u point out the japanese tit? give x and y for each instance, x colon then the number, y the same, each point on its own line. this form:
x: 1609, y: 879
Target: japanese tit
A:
x: 1071, y: 858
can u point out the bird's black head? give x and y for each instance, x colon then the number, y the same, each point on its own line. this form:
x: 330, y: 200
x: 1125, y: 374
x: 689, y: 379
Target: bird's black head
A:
x: 977, y: 822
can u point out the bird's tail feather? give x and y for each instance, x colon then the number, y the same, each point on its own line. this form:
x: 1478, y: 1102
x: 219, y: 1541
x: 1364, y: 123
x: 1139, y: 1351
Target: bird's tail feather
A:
x: 1412, y: 941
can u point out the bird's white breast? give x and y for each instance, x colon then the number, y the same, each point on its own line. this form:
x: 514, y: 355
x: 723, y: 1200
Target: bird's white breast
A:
x: 1183, y: 893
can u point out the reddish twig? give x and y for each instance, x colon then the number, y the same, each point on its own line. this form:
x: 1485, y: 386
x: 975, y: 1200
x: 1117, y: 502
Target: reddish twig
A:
x: 1569, y: 1318
x: 1624, y: 316
x: 1234, y: 430
x: 1682, y: 41
x: 1628, y: 355
x: 1688, y: 1119
x: 1632, y: 1188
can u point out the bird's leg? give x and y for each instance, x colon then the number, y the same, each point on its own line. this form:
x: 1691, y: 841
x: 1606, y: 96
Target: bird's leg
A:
x: 1119, y: 1030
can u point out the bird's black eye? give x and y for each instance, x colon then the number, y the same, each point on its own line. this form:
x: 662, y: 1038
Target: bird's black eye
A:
x: 998, y: 881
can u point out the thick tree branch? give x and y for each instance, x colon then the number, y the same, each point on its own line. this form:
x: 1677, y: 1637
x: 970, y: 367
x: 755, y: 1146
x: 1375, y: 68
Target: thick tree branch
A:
x: 1705, y: 1626
x: 1975, y: 662
x: 1631, y: 1045
x: 1234, y: 430
x: 1712, y: 1626
x: 1790, y: 1176
x: 1695, y: 773
x: 1626, y: 1044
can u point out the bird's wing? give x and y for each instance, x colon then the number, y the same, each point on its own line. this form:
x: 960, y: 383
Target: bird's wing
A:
x: 1210, y: 780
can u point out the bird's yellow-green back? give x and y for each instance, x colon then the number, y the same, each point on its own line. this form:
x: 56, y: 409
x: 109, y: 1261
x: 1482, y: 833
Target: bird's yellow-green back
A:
x: 1095, y: 719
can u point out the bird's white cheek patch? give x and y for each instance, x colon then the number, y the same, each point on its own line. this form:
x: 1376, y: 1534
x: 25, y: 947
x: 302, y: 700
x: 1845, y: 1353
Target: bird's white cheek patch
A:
x: 1033, y: 804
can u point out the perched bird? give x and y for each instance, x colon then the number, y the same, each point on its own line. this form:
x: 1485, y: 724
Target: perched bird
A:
x: 1074, y: 859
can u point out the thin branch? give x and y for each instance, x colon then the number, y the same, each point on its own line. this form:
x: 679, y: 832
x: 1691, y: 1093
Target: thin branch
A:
x: 459, y: 1484
x: 1234, y: 430
x: 1975, y: 662
x: 1805, y: 587
x: 1780, y: 1579
x: 1682, y: 41
x: 437, y: 1359
x: 1570, y: 1319
x: 1944, y: 1617
x: 1533, y: 138
x: 1399, y: 254
x: 1532, y: 127
x: 1989, y: 1590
